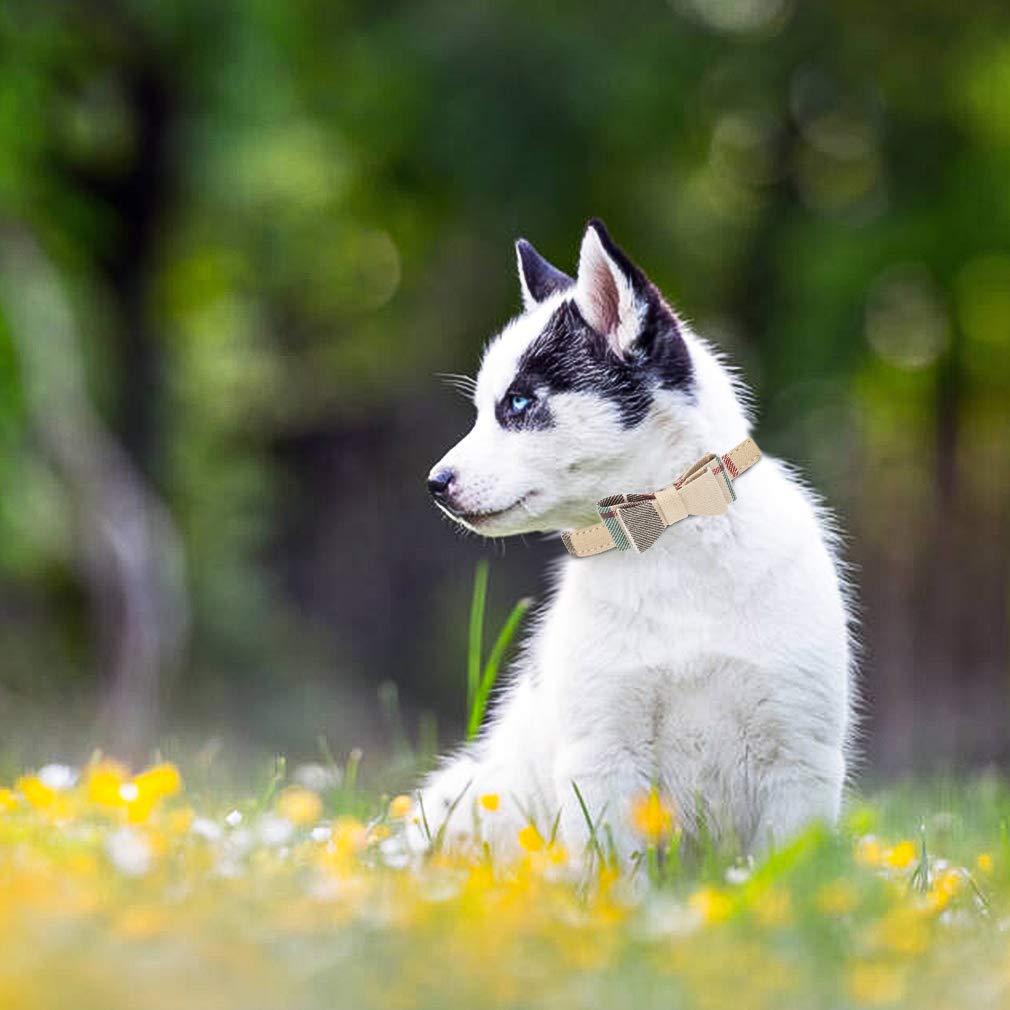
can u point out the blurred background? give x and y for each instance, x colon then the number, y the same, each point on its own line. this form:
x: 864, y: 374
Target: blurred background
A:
x: 239, y: 240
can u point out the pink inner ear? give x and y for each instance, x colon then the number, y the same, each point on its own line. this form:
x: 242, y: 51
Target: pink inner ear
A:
x: 603, y: 300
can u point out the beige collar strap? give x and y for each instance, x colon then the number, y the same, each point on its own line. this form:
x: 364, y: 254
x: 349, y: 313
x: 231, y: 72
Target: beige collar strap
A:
x: 633, y: 522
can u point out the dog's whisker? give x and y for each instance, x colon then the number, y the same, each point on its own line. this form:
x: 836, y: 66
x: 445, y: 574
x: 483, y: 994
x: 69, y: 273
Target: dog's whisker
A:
x: 462, y: 384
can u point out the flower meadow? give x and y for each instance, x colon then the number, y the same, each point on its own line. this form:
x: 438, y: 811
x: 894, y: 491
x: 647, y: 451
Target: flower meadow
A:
x: 126, y: 889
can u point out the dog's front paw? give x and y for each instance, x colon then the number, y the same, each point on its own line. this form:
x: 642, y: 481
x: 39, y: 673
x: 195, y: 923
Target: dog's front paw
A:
x: 444, y: 813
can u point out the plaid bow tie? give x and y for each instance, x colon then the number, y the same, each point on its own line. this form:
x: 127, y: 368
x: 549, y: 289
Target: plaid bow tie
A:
x: 635, y: 521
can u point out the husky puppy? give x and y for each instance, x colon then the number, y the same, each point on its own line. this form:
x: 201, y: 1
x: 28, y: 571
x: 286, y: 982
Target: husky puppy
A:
x: 716, y: 665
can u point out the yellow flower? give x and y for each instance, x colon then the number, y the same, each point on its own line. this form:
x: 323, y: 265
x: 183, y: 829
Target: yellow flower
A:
x: 109, y: 786
x: 651, y: 817
x: 558, y: 854
x: 869, y: 851
x: 711, y: 904
x: 983, y: 861
x: 946, y: 884
x: 875, y: 984
x: 489, y: 801
x: 299, y: 806
x: 36, y: 792
x: 400, y: 807
x: 347, y: 838
x: 8, y: 800
x: 531, y: 839
x: 158, y: 781
x: 901, y: 856
x: 104, y: 784
x: 138, y: 805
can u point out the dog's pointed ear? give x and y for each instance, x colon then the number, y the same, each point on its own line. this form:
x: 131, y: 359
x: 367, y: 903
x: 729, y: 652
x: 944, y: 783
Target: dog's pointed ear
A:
x: 537, y: 278
x: 613, y: 295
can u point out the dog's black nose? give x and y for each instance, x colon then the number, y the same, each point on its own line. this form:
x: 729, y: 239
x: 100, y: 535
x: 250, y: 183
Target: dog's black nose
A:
x: 438, y: 484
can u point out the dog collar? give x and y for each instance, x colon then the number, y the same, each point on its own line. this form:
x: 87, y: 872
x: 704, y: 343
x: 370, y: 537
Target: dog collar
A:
x: 635, y: 521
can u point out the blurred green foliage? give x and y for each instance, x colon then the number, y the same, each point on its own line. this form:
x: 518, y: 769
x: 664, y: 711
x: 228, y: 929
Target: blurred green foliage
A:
x: 272, y: 223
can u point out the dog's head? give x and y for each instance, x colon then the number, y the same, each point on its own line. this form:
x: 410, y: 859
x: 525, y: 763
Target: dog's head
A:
x: 577, y: 398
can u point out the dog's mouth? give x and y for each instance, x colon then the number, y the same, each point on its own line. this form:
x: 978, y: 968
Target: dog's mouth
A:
x: 477, y: 519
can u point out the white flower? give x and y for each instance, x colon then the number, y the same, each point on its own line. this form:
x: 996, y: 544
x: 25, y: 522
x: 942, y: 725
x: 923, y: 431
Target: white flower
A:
x: 664, y: 916
x: 233, y: 819
x: 274, y: 830
x: 205, y: 828
x: 394, y: 852
x: 129, y: 852
x: 57, y: 776
x: 240, y: 842
x: 737, y: 874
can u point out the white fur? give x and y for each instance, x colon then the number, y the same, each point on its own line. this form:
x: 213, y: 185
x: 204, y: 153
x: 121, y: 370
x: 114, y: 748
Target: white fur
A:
x: 715, y: 665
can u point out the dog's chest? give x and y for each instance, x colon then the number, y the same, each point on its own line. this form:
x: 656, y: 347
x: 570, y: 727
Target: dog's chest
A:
x: 613, y: 626
x: 654, y: 667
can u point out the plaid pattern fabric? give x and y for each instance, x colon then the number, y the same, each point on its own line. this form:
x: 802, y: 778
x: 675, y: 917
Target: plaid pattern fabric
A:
x: 721, y: 469
x: 634, y: 522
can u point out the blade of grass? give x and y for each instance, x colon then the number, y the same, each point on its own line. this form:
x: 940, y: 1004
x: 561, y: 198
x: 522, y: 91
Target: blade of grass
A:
x: 611, y: 846
x: 424, y: 817
x: 980, y: 895
x: 327, y: 755
x: 523, y: 809
x: 427, y: 738
x: 594, y: 842
x: 920, y: 875
x: 478, y: 703
x: 672, y: 865
x: 436, y: 844
x: 351, y: 770
x: 478, y: 603
x: 277, y: 775
x: 554, y: 828
x: 652, y: 862
x: 389, y: 702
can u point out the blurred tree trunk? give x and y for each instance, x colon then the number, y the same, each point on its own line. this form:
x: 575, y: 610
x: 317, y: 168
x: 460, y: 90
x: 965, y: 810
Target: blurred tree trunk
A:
x: 128, y: 553
x: 936, y: 591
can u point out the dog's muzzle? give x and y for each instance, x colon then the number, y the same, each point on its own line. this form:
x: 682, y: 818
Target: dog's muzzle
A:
x: 635, y: 521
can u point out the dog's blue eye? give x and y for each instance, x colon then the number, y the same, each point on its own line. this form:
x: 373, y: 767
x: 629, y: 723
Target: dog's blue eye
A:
x: 518, y: 403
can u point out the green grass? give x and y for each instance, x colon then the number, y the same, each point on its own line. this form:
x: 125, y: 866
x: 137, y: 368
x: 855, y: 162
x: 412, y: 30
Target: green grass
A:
x: 231, y: 914
x: 280, y: 895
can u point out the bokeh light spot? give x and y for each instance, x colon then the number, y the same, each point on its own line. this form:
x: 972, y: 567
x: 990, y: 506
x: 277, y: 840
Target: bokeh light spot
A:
x: 906, y: 322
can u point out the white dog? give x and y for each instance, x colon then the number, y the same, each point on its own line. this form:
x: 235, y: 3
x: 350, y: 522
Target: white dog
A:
x: 716, y: 665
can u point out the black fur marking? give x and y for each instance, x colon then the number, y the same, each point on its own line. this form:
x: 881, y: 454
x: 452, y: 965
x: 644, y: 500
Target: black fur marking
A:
x: 660, y: 325
x: 536, y: 417
x: 542, y: 278
x: 570, y: 356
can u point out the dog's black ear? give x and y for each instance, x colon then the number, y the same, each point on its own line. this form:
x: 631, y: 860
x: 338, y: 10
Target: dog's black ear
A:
x: 615, y: 297
x: 538, y: 278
